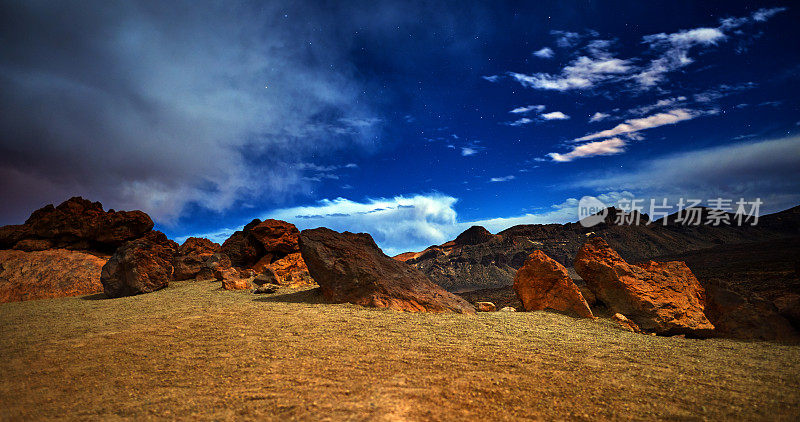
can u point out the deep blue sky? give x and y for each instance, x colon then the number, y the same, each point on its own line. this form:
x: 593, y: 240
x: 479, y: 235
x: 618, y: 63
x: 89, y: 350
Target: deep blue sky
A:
x: 207, y: 116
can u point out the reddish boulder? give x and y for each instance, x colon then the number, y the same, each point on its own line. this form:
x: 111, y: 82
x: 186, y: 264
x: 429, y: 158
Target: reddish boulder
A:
x: 242, y: 249
x: 48, y: 274
x: 485, y: 307
x: 233, y: 279
x: 277, y: 237
x: 83, y: 225
x: 663, y: 297
x: 349, y: 267
x: 542, y: 283
x: 140, y: 266
x: 198, y: 246
x: 191, y: 256
x: 290, y: 271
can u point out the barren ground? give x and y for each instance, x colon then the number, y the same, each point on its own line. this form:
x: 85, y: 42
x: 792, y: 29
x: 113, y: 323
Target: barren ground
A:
x: 194, y: 351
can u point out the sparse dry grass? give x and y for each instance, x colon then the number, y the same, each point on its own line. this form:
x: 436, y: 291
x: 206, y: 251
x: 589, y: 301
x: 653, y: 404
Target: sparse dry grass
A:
x: 193, y: 351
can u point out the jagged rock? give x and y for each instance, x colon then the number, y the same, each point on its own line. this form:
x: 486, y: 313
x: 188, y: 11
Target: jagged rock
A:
x: 269, y: 244
x: 625, y: 323
x: 542, y: 283
x: 291, y: 271
x: 140, y: 266
x: 485, y: 307
x: 349, y: 267
x: 233, y: 279
x: 663, y: 297
x: 266, y: 277
x: 277, y: 237
x: 77, y: 224
x: 48, y: 274
x: 242, y: 249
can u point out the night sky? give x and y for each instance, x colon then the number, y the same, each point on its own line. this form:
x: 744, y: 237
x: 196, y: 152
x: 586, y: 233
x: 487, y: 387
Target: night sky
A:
x: 406, y: 120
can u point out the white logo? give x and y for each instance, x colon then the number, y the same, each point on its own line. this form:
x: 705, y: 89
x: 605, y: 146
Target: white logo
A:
x: 591, y: 211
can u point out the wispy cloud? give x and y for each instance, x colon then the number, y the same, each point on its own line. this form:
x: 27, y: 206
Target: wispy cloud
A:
x: 606, y: 147
x: 502, y: 179
x: 528, y: 109
x: 467, y: 151
x: 636, y: 125
x: 554, y: 115
x: 583, y: 72
x: 491, y: 78
x: 566, y: 39
x: 598, y: 116
x: 521, y: 122
x: 544, y: 53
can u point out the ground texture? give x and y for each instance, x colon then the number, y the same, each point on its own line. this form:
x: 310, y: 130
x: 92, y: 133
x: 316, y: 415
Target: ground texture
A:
x: 194, y: 351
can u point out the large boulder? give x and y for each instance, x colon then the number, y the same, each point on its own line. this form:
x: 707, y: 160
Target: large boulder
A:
x: 140, y: 266
x: 662, y: 297
x: 191, y: 257
x: 76, y: 224
x: 261, y: 240
x: 289, y: 271
x: 349, y: 267
x: 242, y: 249
x: 542, y: 283
x: 745, y: 317
x: 276, y: 237
x: 48, y: 274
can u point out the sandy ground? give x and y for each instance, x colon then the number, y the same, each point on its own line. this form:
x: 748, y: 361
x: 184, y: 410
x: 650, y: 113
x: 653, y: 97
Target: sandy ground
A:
x: 193, y: 351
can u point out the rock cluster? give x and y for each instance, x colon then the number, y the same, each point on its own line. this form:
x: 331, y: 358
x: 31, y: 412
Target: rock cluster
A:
x: 76, y: 224
x: 542, y: 283
x: 270, y: 245
x: 191, y: 257
x: 660, y: 297
x: 349, y: 267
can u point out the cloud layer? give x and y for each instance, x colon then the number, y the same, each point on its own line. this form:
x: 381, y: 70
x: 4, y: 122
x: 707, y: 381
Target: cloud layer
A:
x: 161, y: 105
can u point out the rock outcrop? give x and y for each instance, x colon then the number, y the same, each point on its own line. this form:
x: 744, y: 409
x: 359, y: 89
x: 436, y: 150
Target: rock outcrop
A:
x: 349, y: 267
x: 140, y: 266
x: 48, y: 274
x: 76, y: 224
x: 269, y: 245
x: 474, y: 235
x: 662, y: 297
x: 542, y: 283
x: 191, y: 257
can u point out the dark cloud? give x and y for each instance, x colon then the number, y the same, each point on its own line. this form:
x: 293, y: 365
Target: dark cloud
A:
x: 157, y: 104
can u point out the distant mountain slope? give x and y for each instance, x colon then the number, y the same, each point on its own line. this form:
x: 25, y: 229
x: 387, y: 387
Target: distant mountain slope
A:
x: 476, y: 260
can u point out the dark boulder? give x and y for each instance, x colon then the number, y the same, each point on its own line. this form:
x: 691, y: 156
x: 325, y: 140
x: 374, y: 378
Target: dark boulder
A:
x: 349, y: 267
x: 140, y: 266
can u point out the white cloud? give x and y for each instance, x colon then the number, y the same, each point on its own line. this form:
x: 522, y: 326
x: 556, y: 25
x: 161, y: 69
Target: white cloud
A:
x: 527, y: 109
x: 544, y: 53
x: 767, y: 169
x: 606, y: 147
x: 762, y: 15
x: 583, y: 72
x: 554, y: 115
x: 467, y: 151
x: 492, y: 78
x: 598, y: 116
x: 502, y: 179
x: 520, y: 122
x: 634, y: 125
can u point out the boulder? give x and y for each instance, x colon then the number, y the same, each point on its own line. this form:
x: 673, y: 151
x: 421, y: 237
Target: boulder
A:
x: 48, y: 274
x: 242, y: 249
x: 291, y: 271
x: 349, y: 267
x: 542, y: 283
x: 276, y: 237
x: 753, y: 317
x: 663, y: 297
x: 233, y: 279
x: 267, y: 277
x: 198, y: 246
x: 508, y: 309
x: 485, y: 307
x: 191, y: 257
x: 625, y: 323
x: 140, y: 266
x: 77, y: 224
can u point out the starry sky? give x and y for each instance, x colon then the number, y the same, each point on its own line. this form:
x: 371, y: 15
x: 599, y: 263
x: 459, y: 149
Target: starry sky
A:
x: 408, y: 120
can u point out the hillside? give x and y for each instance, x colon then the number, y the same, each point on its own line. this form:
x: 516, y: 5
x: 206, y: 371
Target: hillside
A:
x: 193, y: 351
